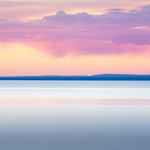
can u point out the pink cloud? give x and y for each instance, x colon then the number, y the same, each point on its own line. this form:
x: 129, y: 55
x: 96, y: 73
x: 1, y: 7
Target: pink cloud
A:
x: 62, y: 34
x: 88, y: 47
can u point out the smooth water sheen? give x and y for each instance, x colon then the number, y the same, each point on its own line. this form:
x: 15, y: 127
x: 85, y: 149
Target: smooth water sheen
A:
x: 74, y: 115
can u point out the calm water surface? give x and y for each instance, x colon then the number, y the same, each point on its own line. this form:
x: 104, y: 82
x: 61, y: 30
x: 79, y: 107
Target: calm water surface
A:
x: 74, y: 115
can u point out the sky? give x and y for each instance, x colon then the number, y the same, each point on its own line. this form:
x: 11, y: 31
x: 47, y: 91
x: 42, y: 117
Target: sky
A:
x: 75, y: 37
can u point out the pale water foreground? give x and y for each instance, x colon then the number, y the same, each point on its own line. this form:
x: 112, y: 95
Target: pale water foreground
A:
x: 74, y: 92
x: 74, y: 115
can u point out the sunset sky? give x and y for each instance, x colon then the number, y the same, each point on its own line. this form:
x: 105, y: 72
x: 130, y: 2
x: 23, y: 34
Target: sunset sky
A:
x: 74, y: 37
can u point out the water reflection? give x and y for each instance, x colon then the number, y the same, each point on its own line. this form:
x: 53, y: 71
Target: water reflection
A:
x: 74, y: 125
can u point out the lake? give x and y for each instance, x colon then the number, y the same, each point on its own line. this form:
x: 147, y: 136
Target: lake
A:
x: 74, y: 115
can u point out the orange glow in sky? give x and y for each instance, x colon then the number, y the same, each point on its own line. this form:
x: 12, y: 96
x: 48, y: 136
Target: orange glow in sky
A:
x: 19, y: 59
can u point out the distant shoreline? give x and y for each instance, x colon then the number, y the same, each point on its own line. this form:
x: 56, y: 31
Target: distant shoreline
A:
x: 101, y: 77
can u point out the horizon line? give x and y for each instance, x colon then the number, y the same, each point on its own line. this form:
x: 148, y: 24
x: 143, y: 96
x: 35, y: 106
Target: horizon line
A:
x: 123, y: 77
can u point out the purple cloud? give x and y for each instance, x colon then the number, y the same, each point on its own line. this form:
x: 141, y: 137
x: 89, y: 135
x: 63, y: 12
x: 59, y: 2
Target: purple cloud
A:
x: 83, y: 33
